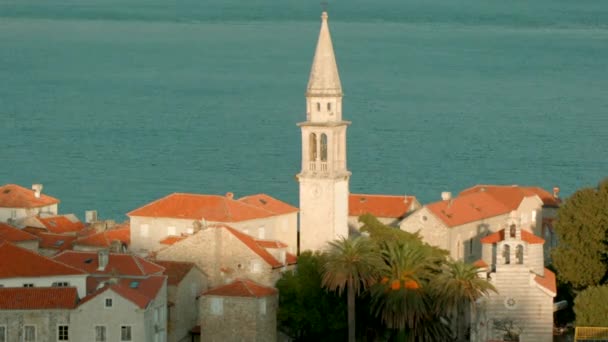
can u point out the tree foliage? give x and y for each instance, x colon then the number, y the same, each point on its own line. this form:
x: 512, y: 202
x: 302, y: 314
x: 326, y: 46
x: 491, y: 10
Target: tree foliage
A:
x: 591, y: 307
x: 306, y: 310
x: 581, y: 259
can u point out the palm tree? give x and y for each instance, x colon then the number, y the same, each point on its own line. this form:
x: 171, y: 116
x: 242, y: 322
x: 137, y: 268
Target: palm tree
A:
x: 459, y: 286
x: 403, y: 298
x: 352, y: 264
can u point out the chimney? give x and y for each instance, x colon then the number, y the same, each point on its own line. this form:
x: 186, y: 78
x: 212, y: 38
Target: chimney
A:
x: 103, y: 257
x: 37, y: 190
x: 90, y: 216
x: 556, y: 192
x: 446, y: 196
x: 229, y: 195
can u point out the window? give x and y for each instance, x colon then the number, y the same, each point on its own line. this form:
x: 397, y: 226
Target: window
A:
x: 217, y: 306
x: 143, y: 230
x: 471, y: 246
x: 519, y: 254
x: 261, y: 233
x: 256, y: 267
x: 108, y: 302
x: 323, y: 147
x: 28, y: 285
x: 262, y: 306
x: 125, y: 333
x: 506, y: 254
x: 533, y: 215
x: 61, y: 284
x: 13, y: 214
x: 318, y: 106
x: 312, y: 146
x: 63, y: 333
x: 171, y: 231
x: 2, y: 333
x: 100, y: 333
x: 512, y: 231
x: 328, y: 106
x: 29, y: 333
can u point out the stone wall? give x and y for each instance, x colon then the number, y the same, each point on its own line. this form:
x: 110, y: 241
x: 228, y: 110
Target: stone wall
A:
x: 45, y: 321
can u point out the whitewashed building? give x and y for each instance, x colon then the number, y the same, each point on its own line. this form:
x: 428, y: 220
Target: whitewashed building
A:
x: 17, y: 202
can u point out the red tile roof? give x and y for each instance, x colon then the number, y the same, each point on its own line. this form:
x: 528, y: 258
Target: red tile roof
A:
x: 547, y: 281
x: 121, y: 264
x: 62, y: 224
x: 480, y: 264
x: 26, y: 263
x: 392, y: 206
x: 512, y: 195
x: 172, y: 239
x: 270, y: 244
x: 269, y: 203
x: 38, y: 298
x: 241, y: 288
x: 500, y: 235
x: 12, y: 234
x: 467, y: 208
x: 139, y: 291
x: 253, y: 245
x: 196, y: 207
x: 15, y: 196
x: 175, y: 270
x: 105, y: 238
x: 59, y: 242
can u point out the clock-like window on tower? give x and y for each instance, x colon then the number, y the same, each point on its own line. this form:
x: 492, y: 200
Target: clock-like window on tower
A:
x: 323, y: 147
x: 312, y: 145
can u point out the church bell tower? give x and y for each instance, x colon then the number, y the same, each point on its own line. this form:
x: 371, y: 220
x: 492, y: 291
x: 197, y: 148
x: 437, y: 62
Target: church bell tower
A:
x: 324, y: 176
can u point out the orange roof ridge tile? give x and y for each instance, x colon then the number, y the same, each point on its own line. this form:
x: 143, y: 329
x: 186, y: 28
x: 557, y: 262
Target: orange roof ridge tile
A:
x: 241, y: 288
x: 250, y: 242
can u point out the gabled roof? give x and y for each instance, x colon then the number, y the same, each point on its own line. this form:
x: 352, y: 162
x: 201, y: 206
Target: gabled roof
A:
x: 393, y: 206
x: 547, y: 281
x: 59, y: 242
x: 21, y: 262
x: 324, y: 78
x: 105, y: 238
x: 196, y: 207
x: 15, y: 196
x: 175, y: 270
x: 12, y: 234
x: 500, y: 236
x: 269, y: 203
x: 512, y: 195
x: 121, y: 264
x: 139, y: 291
x: 38, y: 298
x: 270, y: 243
x: 172, y: 239
x: 467, y: 208
x: 254, y: 245
x: 61, y: 224
x: 241, y: 288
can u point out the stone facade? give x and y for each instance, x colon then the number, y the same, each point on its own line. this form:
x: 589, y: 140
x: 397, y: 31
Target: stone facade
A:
x: 184, y: 310
x: 45, y: 323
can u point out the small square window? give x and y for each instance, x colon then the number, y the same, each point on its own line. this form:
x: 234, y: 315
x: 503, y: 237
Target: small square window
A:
x: 28, y: 285
x: 125, y: 333
x: 2, y: 333
x: 63, y: 333
x: 61, y: 284
x: 217, y: 306
x: 108, y: 302
x: 262, y: 306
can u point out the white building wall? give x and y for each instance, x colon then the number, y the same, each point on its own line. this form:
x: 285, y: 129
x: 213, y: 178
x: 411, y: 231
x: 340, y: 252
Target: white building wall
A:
x: 78, y: 281
x: 19, y: 213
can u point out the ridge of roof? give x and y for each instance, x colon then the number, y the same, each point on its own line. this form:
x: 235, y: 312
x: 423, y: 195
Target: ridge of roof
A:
x: 269, y: 203
x: 16, y: 196
x: 124, y: 264
x: 252, y: 244
x: 241, y: 288
x: 467, y: 208
x: 145, y: 290
x: 393, y: 206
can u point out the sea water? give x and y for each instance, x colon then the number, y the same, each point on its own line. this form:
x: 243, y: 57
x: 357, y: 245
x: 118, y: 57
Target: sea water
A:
x: 112, y: 104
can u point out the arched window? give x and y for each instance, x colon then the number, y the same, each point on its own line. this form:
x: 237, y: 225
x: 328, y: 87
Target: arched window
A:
x: 506, y: 254
x: 323, y: 147
x: 318, y: 106
x: 328, y: 106
x: 312, y: 147
x: 512, y: 231
x: 519, y: 254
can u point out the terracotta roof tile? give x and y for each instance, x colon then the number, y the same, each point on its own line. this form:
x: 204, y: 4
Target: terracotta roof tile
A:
x: 139, y: 291
x: 467, y: 208
x: 12, y: 234
x: 269, y: 203
x: 122, y: 264
x: 175, y: 270
x: 547, y: 281
x: 500, y: 235
x: 15, y: 196
x: 172, y: 239
x: 252, y: 243
x: 59, y: 242
x: 61, y: 224
x: 105, y: 238
x: 512, y: 195
x: 38, y: 298
x: 271, y: 244
x: 196, y: 207
x: 392, y: 206
x: 26, y: 263
x: 241, y: 288
x: 480, y: 264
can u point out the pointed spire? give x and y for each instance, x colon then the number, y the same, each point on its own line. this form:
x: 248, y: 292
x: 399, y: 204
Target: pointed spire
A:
x: 324, y: 78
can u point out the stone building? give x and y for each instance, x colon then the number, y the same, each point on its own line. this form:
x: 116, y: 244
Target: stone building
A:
x: 239, y: 311
x: 17, y: 202
x: 225, y: 253
x: 388, y: 209
x: 117, y: 239
x: 185, y: 281
x: 457, y: 224
x: 184, y: 214
x: 523, y: 307
x: 324, y: 176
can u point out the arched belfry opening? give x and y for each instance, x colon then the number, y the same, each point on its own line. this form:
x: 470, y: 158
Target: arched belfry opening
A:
x: 312, y: 144
x: 506, y: 254
x: 513, y: 231
x: 519, y: 254
x: 323, y: 147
